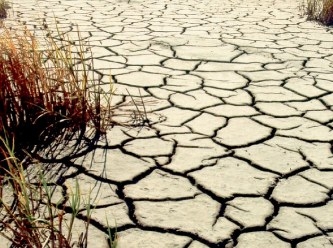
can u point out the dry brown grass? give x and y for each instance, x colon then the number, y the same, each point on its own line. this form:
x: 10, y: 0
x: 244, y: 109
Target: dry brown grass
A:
x: 319, y: 10
x: 47, y: 94
x: 47, y: 91
x: 4, y: 6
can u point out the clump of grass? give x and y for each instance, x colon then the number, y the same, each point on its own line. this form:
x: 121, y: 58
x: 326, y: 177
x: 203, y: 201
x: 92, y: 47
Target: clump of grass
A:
x: 3, y: 9
x: 3, y: 12
x: 326, y: 15
x: 319, y: 10
x: 47, y: 92
x: 47, y: 95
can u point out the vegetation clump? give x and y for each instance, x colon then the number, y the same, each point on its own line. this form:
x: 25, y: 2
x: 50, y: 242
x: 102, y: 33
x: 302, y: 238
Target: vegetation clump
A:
x: 319, y: 10
x: 3, y: 9
x: 48, y: 94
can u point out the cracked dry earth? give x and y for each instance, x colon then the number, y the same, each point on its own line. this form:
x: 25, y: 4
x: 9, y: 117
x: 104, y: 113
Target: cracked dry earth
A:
x: 238, y: 152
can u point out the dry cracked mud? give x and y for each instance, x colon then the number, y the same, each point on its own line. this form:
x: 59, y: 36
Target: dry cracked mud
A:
x: 238, y: 152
